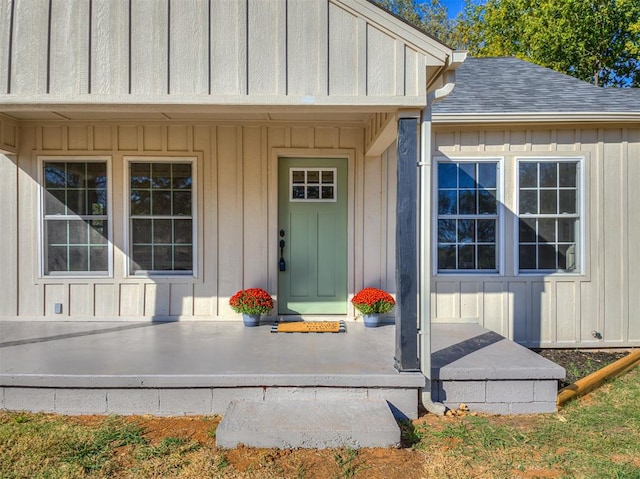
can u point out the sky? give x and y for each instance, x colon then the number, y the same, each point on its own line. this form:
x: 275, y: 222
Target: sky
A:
x: 454, y: 7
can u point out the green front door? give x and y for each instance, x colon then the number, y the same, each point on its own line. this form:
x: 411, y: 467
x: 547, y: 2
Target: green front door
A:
x: 312, y: 223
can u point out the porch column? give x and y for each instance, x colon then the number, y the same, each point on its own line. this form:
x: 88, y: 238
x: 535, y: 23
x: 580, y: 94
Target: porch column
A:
x: 406, y: 358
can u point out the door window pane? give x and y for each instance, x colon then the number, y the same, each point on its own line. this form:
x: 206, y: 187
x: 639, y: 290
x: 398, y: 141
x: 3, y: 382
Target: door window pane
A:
x: 313, y: 184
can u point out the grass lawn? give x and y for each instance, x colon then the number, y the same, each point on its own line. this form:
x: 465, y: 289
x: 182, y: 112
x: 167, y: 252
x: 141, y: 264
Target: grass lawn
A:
x: 597, y: 436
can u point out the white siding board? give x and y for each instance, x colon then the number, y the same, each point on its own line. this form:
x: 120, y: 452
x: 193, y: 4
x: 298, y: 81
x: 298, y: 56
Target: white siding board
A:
x: 412, y: 67
x: 307, y: 47
x: 106, y: 300
x: 69, y: 47
x: 590, y: 324
x: 157, y: 300
x: 5, y: 41
x: 78, y: 137
x: 381, y: 54
x: 614, y: 239
x: 9, y: 237
x: 178, y: 138
x: 56, y: 293
x: 567, y: 312
x: 110, y: 47
x: 189, y: 47
x: 131, y: 299
x: 181, y: 300
x: 373, y: 226
x: 149, y: 46
x: 29, y: 72
x: 518, y: 309
x: 343, y: 52
x: 494, y: 306
x: 228, y: 48
x: 81, y: 300
x: 470, y: 299
x: 447, y: 299
x: 254, y: 210
x: 633, y: 234
x: 266, y: 48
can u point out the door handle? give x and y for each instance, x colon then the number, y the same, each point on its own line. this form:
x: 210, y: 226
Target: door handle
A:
x: 282, y: 263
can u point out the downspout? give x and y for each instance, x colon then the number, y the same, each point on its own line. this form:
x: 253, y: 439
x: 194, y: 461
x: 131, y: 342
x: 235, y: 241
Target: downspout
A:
x: 424, y: 306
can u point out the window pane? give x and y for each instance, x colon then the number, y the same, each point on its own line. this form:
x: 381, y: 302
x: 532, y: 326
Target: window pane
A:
x: 161, y: 175
x: 327, y: 192
x: 162, y: 231
x: 298, y: 193
x: 140, y: 175
x: 568, y: 174
x: 76, y: 175
x: 547, y: 230
x: 487, y: 175
x: 183, y: 231
x: 141, y: 231
x: 78, y: 232
x: 181, y: 176
x: 297, y: 176
x: 548, y: 174
x: 57, y: 258
x: 567, y: 230
x: 98, y: 232
x: 54, y: 202
x: 527, y: 230
x: 327, y: 176
x: 56, y: 232
x: 466, y: 257
x: 486, y: 257
x: 546, y: 257
x: 447, y: 175
x: 548, y: 202
x: 487, y: 203
x: 97, y: 202
x: 140, y: 202
x: 447, y: 231
x: 527, y: 257
x: 183, y: 258
x: 447, y: 202
x: 161, y: 203
x: 313, y: 177
x: 528, y: 175
x: 529, y: 202
x: 313, y: 192
x: 97, y: 175
x: 78, y: 258
x: 486, y: 231
x: 141, y: 258
x: 76, y: 202
x: 98, y: 260
x: 566, y: 257
x: 182, y: 203
x: 162, y: 258
x: 467, y: 175
x: 467, y: 202
x: 55, y: 175
x: 567, y: 201
x: 446, y: 257
x: 466, y: 231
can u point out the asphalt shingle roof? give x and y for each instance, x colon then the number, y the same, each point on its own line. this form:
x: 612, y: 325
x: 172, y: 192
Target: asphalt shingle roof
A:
x: 510, y: 85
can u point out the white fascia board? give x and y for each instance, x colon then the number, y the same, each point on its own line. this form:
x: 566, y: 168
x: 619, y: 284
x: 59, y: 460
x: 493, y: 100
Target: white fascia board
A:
x: 545, y: 117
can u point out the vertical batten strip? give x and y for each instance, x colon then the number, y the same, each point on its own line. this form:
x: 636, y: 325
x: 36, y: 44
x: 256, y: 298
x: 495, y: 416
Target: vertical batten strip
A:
x: 89, y: 46
x: 168, y: 47
x: 10, y: 45
x: 49, y: 47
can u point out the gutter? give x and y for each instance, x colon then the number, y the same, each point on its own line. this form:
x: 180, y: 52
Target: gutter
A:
x: 542, y: 117
x: 424, y: 266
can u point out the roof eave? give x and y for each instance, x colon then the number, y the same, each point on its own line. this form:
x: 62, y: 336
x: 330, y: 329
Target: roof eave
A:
x: 537, y: 117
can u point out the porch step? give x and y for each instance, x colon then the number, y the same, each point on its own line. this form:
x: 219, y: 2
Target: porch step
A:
x: 308, y: 424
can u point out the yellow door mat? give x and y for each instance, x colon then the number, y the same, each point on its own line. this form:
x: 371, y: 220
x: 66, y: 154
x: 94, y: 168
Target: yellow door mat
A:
x: 310, y: 327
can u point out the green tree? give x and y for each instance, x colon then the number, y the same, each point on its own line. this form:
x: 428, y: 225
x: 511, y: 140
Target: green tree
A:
x: 594, y: 40
x: 430, y: 16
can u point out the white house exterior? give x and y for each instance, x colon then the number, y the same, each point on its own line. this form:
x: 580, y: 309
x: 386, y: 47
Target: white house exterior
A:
x: 174, y: 119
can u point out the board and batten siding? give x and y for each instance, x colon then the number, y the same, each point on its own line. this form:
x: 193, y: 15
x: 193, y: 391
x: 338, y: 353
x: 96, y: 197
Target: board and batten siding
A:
x: 557, y: 310
x: 234, y: 214
x: 210, y: 52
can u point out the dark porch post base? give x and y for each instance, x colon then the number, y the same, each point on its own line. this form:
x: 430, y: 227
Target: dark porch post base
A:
x: 406, y: 358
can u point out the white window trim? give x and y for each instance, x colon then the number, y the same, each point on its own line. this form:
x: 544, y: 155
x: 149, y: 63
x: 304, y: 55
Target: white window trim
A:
x: 127, y: 160
x: 41, y: 159
x: 500, y: 238
x: 580, y: 255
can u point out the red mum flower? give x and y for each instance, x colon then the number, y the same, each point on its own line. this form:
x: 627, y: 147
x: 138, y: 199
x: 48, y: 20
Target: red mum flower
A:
x: 252, y: 301
x: 373, y: 301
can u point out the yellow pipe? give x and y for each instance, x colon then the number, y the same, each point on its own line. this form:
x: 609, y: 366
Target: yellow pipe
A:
x: 593, y: 380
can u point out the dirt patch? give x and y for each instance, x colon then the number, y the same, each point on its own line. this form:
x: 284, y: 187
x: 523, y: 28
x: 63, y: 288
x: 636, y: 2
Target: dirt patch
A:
x: 580, y: 363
